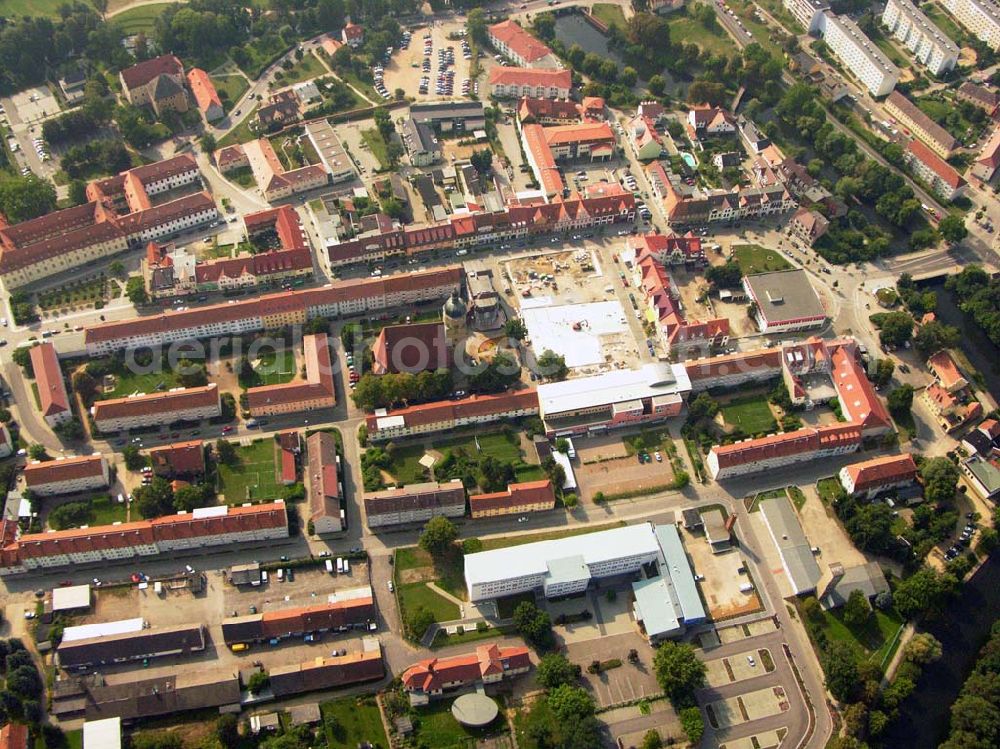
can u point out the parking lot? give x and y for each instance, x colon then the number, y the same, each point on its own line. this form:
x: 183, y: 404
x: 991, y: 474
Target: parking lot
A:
x: 739, y: 667
x: 746, y: 707
x: 406, y: 67
x: 308, y: 588
x: 627, y: 682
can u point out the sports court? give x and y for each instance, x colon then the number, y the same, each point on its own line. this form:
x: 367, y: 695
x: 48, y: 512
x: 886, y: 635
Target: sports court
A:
x: 251, y: 477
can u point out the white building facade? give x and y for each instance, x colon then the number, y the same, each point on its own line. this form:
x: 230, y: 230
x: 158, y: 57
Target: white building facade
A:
x: 809, y: 13
x: 859, y: 55
x: 981, y: 17
x: 926, y: 41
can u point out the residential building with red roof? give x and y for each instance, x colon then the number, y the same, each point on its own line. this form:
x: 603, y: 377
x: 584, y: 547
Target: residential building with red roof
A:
x: 986, y: 99
x: 411, y: 348
x: 329, y: 673
x: 14, y: 736
x: 274, y: 182
x: 52, y: 397
x: 353, y: 35
x: 315, y: 391
x: 323, y: 485
x: 945, y: 182
x: 548, y: 111
x: 205, y: 95
x: 544, y: 146
x: 808, y: 225
x: 442, y: 416
x: 669, y: 249
x: 924, y: 127
x: 158, y: 83
x: 289, y: 448
x: 338, y: 298
x: 119, y: 215
x: 871, y: 477
x: 350, y: 607
x: 489, y: 664
x: 178, y: 459
x: 986, y: 164
x: 705, y: 120
x: 330, y: 44
x: 67, y: 475
x: 514, y: 83
x: 519, y: 498
x: 593, y: 108
x: 943, y: 366
x: 781, y: 450
x: 511, y: 40
x: 143, y: 539
x: 416, y: 503
x: 952, y: 410
x: 156, y: 409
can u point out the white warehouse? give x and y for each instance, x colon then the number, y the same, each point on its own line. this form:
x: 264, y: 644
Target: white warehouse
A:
x: 560, y: 567
x: 926, y: 41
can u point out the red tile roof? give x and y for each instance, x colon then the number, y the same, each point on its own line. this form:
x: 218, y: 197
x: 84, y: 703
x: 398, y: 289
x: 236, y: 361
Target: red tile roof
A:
x: 517, y: 496
x: 63, y: 469
x: 320, y: 616
x: 14, y: 736
x: 148, y: 404
x: 318, y: 382
x: 142, y: 73
x: 353, y: 31
x: 945, y: 369
x: 519, y: 41
x: 891, y: 469
x: 935, y: 163
x: 185, y: 458
x: 433, y: 673
x: 203, y: 89
x: 797, y: 442
x: 586, y: 132
x: 560, y: 79
x: 412, y: 348
x: 765, y: 360
x: 545, y: 163
x: 548, y: 109
x: 49, y: 379
x: 324, y: 491
x: 856, y: 393
x: 471, y: 407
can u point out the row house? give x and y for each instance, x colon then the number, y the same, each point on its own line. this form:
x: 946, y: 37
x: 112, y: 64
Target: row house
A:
x: 443, y: 416
x: 669, y: 249
x: 67, y: 475
x: 339, y: 298
x: 979, y: 96
x: 518, y: 499
x: 351, y: 608
x: 549, y: 111
x: 144, y: 539
x: 416, y: 503
x: 985, y: 166
x: 157, y: 409
x: 324, y: 485
x: 316, y: 391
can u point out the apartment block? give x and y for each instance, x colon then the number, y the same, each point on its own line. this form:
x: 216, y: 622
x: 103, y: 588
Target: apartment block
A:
x: 809, y: 13
x: 519, y: 498
x: 514, y: 83
x: 911, y: 116
x: 52, y: 397
x: 314, y: 392
x: 511, y: 40
x: 144, y: 539
x: 443, y: 416
x: 157, y: 409
x: 858, y: 54
x: 339, y: 298
x: 870, y: 477
x: 416, y: 503
x: 981, y: 17
x: 926, y: 41
x: 945, y: 182
x: 781, y: 450
x: 67, y: 475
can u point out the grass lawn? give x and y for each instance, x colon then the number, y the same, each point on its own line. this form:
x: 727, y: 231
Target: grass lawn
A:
x: 891, y: 51
x: 756, y: 259
x: 230, y: 87
x: 74, y: 739
x: 273, y: 368
x: 877, y: 639
x: 355, y: 721
x: 261, y: 53
x: 529, y: 472
x: 449, y: 571
x: 651, y: 440
x: 364, y: 87
x: 413, y: 595
x: 107, y: 511
x: 496, y: 444
x: 18, y: 8
x: 609, y: 14
x: 303, y: 70
x: 829, y: 489
x: 436, y: 727
x: 712, y: 41
x: 752, y: 415
x: 242, y: 132
x: 944, y: 22
x: 252, y: 476
x: 378, y: 146
x: 506, y: 541
x: 406, y: 468
x: 127, y: 383
x: 760, y: 32
x: 134, y: 20
x: 442, y: 639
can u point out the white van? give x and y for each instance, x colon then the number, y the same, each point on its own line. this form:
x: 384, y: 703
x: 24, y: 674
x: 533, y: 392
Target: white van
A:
x: 340, y: 565
x: 329, y: 566
x: 281, y: 574
x: 347, y: 566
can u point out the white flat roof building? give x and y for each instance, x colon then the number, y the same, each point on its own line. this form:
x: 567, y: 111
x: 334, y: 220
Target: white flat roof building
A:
x: 70, y: 598
x: 926, y: 41
x: 981, y: 17
x: 561, y: 566
x: 102, y: 734
x: 103, y: 629
x: 859, y: 55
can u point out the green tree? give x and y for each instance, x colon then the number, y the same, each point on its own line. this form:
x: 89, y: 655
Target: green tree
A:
x: 883, y: 372
x: 895, y: 328
x: 77, y: 192
x: 934, y: 336
x: 534, y: 625
x: 208, y: 143
x: 482, y: 160
x: 155, y: 499
x: 258, y: 682
x: 693, y: 724
x: 471, y: 545
x: 923, y: 648
x: 225, y: 451
x: 37, y: 452
x: 678, y: 672
x: 438, y: 536
x: 856, y: 610
x: 135, y: 290
x: 952, y: 228
x: 190, y: 497
x: 570, y: 703
x: 925, y: 593
x: 840, y: 664
x: 227, y: 731
x: 69, y: 430
x: 554, y: 670
x: 23, y: 198
x: 656, y: 84
x: 134, y: 460
x: 652, y: 740
x: 417, y: 622
x: 476, y: 26
x: 71, y: 515
x: 516, y: 329
x: 552, y: 366
x: 940, y: 476
x: 900, y: 400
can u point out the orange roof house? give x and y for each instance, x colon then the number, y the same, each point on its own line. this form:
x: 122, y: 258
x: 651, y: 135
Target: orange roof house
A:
x: 876, y: 475
x: 205, y: 95
x: 527, y: 496
x: 489, y: 663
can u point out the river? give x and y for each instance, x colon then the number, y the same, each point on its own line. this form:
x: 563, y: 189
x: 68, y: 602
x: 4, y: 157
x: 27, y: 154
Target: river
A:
x: 923, y: 718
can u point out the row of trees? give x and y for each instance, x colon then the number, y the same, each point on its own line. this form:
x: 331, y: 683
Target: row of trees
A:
x: 978, y: 297
x: 975, y: 715
x: 385, y: 391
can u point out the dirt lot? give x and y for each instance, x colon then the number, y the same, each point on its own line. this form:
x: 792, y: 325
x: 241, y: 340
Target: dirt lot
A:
x: 622, y: 475
x: 822, y: 529
x: 579, y: 276
x: 740, y: 324
x: 721, y: 586
x: 598, y: 448
x: 401, y: 73
x: 691, y: 287
x: 309, y: 587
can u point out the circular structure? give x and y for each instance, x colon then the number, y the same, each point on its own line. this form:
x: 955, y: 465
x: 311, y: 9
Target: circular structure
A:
x: 474, y: 710
x: 455, y: 308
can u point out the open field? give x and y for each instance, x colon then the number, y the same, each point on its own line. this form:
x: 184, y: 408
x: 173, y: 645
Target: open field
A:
x: 355, y: 721
x: 712, y: 41
x: 230, y: 87
x: 877, y: 638
x: 378, y: 146
x: 134, y: 20
x: 414, y: 595
x: 303, y: 70
x: 127, y: 383
x: 756, y: 259
x: 496, y: 445
x: 405, y: 467
x: 252, y: 477
x: 609, y: 14
x: 17, y: 8
x: 752, y: 414
x: 414, y: 565
x: 272, y: 368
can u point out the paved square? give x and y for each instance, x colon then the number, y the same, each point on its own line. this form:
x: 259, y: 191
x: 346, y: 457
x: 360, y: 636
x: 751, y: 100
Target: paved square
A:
x: 35, y: 104
x: 630, y: 681
x: 747, y: 707
x: 764, y: 740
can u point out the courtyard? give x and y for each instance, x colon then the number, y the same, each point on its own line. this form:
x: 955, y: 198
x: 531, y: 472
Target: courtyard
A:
x: 251, y: 476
